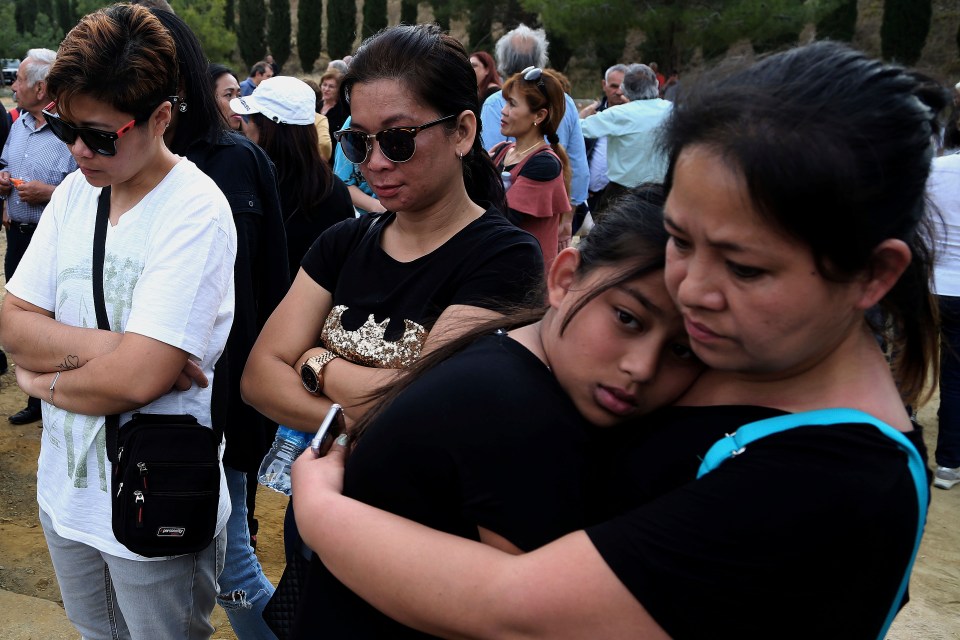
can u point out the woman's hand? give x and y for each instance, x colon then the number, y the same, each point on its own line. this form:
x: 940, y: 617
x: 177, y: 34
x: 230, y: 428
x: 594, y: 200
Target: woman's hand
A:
x: 28, y: 382
x: 190, y: 373
x: 313, y: 477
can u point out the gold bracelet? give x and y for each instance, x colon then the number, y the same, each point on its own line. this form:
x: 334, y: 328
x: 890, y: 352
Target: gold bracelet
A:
x: 52, y: 385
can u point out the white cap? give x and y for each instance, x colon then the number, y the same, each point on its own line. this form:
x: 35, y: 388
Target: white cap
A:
x: 283, y: 99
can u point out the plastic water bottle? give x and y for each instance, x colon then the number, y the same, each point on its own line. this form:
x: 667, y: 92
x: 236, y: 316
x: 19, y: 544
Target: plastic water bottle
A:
x: 507, y: 180
x: 275, y: 468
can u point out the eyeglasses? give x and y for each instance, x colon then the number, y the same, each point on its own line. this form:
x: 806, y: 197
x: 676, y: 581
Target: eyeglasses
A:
x: 535, y: 74
x: 397, y: 144
x: 97, y: 140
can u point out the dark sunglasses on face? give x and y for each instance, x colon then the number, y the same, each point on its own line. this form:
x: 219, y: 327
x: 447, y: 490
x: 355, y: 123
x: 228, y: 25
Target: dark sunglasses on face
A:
x: 397, y: 144
x: 97, y: 140
x: 535, y: 74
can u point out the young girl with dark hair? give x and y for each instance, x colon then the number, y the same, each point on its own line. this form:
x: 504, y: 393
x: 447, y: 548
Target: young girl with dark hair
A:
x: 539, y: 172
x: 487, y: 436
x: 785, y: 229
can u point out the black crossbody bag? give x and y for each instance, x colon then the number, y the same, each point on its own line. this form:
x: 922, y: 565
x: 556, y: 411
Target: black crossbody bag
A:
x: 166, y: 468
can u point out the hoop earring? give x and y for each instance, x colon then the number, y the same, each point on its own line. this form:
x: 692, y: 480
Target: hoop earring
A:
x: 461, y: 156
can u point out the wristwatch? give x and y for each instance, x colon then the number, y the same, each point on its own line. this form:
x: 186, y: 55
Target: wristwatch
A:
x: 311, y: 371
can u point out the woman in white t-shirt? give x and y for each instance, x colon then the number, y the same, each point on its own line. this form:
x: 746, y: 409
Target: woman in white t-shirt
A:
x: 168, y: 290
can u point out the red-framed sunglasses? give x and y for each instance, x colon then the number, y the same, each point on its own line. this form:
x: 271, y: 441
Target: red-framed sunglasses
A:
x: 97, y: 140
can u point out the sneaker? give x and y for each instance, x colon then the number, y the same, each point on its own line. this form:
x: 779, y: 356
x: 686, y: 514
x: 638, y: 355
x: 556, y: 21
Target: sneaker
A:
x: 945, y: 477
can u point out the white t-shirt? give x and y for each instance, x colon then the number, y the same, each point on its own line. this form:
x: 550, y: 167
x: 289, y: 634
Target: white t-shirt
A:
x: 168, y: 275
x: 943, y: 187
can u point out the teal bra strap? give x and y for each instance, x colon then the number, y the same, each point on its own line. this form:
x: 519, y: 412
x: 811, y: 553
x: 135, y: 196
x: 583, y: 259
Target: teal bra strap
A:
x: 736, y: 443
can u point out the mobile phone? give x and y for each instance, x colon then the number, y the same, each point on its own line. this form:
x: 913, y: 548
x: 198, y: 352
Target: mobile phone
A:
x: 332, y: 426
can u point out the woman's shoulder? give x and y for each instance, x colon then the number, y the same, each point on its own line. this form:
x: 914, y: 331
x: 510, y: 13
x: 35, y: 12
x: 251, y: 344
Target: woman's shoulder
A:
x: 492, y: 233
x: 542, y: 167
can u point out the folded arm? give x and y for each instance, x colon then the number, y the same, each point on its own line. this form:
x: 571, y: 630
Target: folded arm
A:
x: 271, y: 380
x: 35, y: 341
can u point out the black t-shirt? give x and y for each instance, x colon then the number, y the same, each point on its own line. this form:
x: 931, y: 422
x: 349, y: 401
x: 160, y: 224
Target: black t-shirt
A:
x: 487, y: 438
x: 384, y: 309
x: 804, y: 535
x: 304, y: 227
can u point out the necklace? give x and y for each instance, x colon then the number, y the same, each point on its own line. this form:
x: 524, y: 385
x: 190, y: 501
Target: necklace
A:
x: 520, y: 154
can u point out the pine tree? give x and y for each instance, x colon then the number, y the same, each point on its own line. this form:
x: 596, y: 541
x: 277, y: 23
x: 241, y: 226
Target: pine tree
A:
x: 441, y: 13
x: 309, y: 32
x: 479, y: 28
x: 904, y: 30
x: 278, y: 33
x: 250, y: 31
x: 408, y: 11
x: 341, y: 27
x: 230, y: 15
x: 840, y: 23
x: 374, y: 16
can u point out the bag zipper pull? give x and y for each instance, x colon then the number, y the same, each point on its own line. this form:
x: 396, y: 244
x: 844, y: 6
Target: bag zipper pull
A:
x: 119, y: 489
x: 138, y: 499
x: 142, y: 466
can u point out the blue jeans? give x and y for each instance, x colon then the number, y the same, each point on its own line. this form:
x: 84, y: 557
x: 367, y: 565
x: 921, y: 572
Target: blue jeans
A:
x: 244, y: 590
x: 109, y: 598
x: 948, y: 436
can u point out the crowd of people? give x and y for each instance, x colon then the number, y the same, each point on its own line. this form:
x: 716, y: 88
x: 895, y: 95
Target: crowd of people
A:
x: 615, y: 372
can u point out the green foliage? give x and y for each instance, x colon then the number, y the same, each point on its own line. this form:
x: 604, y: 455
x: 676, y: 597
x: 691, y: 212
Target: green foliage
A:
x: 341, y: 27
x: 12, y: 44
x: 675, y: 29
x: 250, y: 31
x: 46, y: 34
x: 374, y: 16
x: 442, y: 12
x: 205, y: 18
x: 26, y: 15
x: 309, y: 32
x: 408, y: 11
x: 479, y: 27
x: 42, y: 30
x: 230, y: 15
x: 839, y: 23
x: 904, y: 29
x: 278, y: 34
x: 65, y: 17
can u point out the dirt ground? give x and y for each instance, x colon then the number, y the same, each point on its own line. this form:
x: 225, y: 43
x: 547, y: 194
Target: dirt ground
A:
x: 31, y: 606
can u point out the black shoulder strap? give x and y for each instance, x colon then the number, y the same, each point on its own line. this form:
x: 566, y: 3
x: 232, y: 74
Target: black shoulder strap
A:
x: 99, y: 254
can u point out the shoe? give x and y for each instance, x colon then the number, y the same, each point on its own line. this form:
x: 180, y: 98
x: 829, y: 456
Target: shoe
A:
x: 946, y: 477
x: 26, y: 415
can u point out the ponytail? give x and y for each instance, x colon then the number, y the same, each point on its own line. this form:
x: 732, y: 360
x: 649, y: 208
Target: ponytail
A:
x: 481, y: 177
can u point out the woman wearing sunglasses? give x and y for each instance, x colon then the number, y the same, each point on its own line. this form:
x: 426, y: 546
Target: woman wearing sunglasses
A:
x: 784, y: 231
x: 539, y: 172
x: 378, y: 291
x: 168, y: 290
